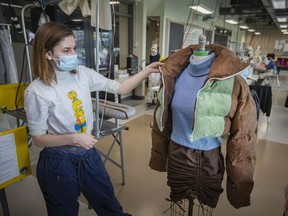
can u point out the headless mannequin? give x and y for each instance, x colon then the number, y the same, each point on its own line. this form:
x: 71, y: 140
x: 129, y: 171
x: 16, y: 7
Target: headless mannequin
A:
x: 202, y: 52
x: 191, y: 203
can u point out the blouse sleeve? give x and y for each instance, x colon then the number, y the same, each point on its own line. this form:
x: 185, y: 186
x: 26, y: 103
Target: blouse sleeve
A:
x: 36, y: 112
x: 98, y: 82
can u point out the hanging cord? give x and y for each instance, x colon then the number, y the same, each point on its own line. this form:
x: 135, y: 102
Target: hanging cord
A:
x: 110, y: 64
x: 213, y: 20
x: 23, y: 69
x: 192, y: 22
x: 186, y: 25
x: 221, y: 39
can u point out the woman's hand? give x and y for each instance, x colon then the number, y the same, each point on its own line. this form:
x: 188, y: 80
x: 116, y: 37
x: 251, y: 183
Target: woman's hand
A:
x: 87, y: 141
x: 153, y: 67
x: 131, y: 83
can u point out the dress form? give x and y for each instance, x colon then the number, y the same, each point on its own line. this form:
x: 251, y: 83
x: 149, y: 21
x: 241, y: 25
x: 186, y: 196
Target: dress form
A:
x: 190, y: 205
x: 202, y: 52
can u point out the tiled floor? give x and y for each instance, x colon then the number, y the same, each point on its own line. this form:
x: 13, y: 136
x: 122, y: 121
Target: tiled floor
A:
x: 145, y: 190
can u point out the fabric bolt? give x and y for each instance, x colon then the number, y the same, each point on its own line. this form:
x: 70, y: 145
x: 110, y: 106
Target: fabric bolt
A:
x: 63, y: 176
x: 225, y: 107
x: 105, y: 17
x: 69, y: 6
x: 11, y: 73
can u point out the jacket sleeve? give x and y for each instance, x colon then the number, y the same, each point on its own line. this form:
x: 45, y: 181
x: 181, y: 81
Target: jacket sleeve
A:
x: 240, y: 157
x: 160, y: 143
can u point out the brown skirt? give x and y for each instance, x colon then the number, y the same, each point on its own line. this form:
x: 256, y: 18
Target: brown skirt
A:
x: 195, y: 172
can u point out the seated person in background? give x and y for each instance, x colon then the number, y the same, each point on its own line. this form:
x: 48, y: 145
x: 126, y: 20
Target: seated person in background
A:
x: 271, y: 61
x: 267, y: 66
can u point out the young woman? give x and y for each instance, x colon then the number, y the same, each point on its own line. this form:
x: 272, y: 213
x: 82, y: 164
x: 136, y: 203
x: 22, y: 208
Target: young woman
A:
x: 60, y: 119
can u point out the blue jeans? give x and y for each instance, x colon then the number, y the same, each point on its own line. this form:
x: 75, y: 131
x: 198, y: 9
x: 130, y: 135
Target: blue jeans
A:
x: 62, y: 176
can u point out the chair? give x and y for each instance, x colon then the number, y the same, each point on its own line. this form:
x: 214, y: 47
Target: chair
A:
x: 116, y: 111
x: 275, y: 75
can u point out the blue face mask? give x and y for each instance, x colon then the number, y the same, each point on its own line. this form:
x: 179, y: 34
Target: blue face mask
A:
x: 68, y: 63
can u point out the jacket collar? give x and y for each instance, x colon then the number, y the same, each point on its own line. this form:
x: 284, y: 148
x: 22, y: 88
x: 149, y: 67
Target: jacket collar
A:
x: 226, y: 63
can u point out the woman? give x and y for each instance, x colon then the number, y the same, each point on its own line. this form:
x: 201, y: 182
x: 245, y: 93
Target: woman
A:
x: 269, y: 66
x: 60, y: 119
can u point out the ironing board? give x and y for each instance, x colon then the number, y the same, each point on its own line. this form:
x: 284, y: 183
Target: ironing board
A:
x: 116, y: 112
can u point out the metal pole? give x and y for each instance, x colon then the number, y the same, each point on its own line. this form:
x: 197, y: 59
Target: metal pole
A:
x: 97, y: 69
x: 25, y: 38
x: 4, y: 203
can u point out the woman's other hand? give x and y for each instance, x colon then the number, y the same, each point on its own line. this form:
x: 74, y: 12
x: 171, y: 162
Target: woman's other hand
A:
x: 87, y: 141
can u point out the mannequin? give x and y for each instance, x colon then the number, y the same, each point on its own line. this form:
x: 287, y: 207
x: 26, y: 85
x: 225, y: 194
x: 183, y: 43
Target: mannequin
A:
x: 201, y: 52
x: 187, y: 143
x: 153, y: 79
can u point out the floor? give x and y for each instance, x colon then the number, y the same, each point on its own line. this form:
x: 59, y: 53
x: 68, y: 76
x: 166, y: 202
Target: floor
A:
x: 145, y: 190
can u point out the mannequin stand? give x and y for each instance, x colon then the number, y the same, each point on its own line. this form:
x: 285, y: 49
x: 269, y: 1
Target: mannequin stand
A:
x: 189, y: 207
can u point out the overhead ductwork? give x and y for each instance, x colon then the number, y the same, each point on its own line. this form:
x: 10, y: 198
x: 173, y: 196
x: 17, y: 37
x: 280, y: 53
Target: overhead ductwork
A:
x: 253, y: 11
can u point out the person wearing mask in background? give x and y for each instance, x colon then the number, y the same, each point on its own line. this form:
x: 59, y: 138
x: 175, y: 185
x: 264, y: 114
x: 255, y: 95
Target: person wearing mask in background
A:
x: 270, y: 61
x: 268, y: 66
x: 60, y: 118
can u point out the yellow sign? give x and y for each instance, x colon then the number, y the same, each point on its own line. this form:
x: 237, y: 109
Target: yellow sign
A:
x: 12, y: 95
x: 14, y: 156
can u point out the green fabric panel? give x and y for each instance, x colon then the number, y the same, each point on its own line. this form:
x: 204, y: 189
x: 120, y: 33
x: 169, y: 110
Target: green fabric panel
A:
x: 160, y: 110
x: 213, y: 104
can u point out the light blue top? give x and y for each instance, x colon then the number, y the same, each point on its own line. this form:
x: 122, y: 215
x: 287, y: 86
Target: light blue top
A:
x: 183, y: 104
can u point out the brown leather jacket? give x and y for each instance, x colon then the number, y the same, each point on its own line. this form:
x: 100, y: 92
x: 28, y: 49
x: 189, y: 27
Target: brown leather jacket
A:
x: 240, y: 123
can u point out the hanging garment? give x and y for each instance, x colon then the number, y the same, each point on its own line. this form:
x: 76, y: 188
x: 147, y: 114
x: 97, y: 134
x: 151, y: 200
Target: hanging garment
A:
x: 69, y: 6
x: 2, y: 67
x: 201, y: 173
x: 105, y: 18
x: 286, y: 102
x: 257, y: 102
x: 239, y: 124
x: 11, y: 73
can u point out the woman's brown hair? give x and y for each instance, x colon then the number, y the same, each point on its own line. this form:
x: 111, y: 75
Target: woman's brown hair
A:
x: 47, y: 37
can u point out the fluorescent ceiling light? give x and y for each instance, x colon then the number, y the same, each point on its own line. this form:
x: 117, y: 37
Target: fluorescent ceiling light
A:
x: 285, y: 32
x: 114, y: 2
x: 231, y: 22
x: 282, y: 19
x: 201, y: 9
x: 283, y: 26
x: 279, y: 4
x: 243, y: 27
x: 257, y: 33
x: 76, y: 20
x: 12, y: 5
x: 251, y: 30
